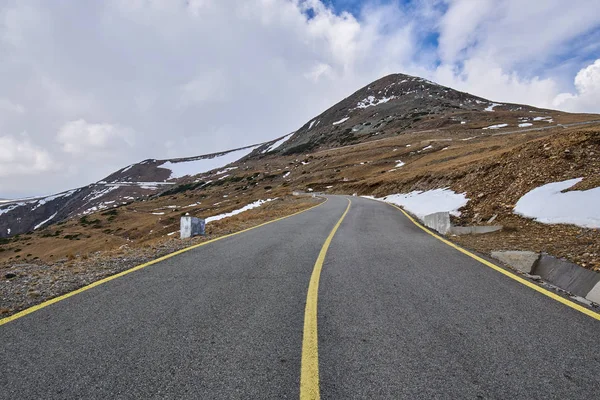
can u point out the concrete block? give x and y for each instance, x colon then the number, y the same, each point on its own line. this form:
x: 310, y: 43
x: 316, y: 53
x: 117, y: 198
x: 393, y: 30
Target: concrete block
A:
x: 567, y: 275
x: 192, y: 226
x: 594, y: 294
x: 439, y: 221
x: 474, y: 230
x: 524, y: 261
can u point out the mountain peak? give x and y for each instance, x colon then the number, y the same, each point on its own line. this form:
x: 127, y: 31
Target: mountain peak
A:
x: 392, y: 104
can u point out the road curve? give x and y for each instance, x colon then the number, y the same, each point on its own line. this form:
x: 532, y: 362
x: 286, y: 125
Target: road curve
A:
x: 400, y: 315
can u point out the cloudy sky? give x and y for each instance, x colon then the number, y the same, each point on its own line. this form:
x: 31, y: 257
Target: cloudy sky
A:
x: 88, y: 87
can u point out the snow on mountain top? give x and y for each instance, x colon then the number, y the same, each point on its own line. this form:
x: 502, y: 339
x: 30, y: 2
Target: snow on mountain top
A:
x: 194, y: 167
x: 372, y: 101
x: 547, y: 204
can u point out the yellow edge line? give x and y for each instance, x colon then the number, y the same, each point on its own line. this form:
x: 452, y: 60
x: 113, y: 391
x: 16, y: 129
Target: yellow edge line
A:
x: 517, y: 278
x: 120, y: 274
x: 309, y: 371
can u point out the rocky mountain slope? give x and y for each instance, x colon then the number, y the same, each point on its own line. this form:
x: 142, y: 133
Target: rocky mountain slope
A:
x: 136, y: 181
x: 395, y: 104
x: 400, y: 135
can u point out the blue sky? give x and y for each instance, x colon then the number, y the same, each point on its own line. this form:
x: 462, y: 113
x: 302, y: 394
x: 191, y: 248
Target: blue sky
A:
x: 90, y: 87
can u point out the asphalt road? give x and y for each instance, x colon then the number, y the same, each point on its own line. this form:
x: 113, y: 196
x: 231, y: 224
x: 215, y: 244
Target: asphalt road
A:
x: 400, y: 315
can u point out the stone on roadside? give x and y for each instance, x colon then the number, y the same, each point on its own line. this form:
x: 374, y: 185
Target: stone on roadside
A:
x: 523, y: 261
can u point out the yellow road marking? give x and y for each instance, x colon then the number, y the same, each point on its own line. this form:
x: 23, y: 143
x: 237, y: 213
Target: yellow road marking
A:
x: 110, y: 278
x: 517, y: 278
x: 309, y: 371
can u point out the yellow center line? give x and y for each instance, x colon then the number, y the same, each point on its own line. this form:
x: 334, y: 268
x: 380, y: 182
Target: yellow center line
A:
x: 309, y: 371
x: 525, y: 282
x: 128, y: 271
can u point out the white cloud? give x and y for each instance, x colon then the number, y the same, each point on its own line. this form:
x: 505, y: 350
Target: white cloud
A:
x: 208, y: 75
x: 87, y: 139
x: 460, y: 25
x: 209, y: 87
x: 487, y: 79
x: 318, y: 71
x: 8, y: 106
x: 587, y: 96
x: 19, y: 156
x: 514, y: 31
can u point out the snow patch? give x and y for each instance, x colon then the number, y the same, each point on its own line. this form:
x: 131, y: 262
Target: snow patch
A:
x: 10, y: 208
x: 341, y: 121
x: 127, y: 168
x: 399, y: 164
x: 250, y: 206
x: 525, y: 125
x: 45, y: 200
x: 97, y: 194
x: 224, y: 171
x: 491, y: 107
x: 372, y: 101
x: 547, y: 204
x: 498, y: 126
x: 422, y: 203
x: 45, y: 222
x: 278, y: 143
x: 195, y: 167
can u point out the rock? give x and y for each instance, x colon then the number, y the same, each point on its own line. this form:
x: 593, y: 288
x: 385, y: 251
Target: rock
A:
x: 10, y: 275
x: 534, y: 277
x: 523, y: 261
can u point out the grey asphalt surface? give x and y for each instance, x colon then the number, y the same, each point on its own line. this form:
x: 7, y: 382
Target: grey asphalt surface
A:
x: 401, y: 315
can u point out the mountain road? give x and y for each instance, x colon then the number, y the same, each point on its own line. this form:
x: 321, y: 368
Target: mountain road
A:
x: 348, y: 300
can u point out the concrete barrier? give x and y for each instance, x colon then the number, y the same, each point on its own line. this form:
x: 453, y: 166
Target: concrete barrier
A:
x: 564, y: 274
x: 524, y: 261
x: 439, y: 221
x: 567, y: 275
x: 594, y: 294
x: 192, y: 226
